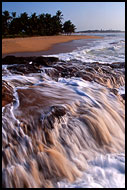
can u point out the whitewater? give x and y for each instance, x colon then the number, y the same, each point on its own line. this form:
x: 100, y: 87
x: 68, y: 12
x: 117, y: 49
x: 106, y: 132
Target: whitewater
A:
x: 107, y: 50
x: 105, y: 171
x: 63, y: 120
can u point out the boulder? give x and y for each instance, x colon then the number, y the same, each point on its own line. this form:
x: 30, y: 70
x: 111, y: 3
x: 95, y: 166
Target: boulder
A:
x: 44, y: 61
x: 7, y: 93
x: 123, y: 96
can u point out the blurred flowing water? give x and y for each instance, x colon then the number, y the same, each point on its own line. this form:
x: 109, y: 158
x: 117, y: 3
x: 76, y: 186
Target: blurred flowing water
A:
x: 60, y: 129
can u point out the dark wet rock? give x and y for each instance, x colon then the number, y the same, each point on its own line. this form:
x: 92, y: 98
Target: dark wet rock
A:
x: 44, y: 61
x: 48, y: 119
x: 7, y: 93
x: 115, y: 91
x: 103, y: 74
x: 23, y: 69
x: 60, y: 68
x: 52, y: 122
x: 53, y: 73
x: 109, y: 75
x: 58, y: 111
x: 123, y: 96
x: 27, y: 65
x: 8, y: 60
x: 98, y: 69
x: 91, y: 70
x: 118, y: 65
x: 84, y: 76
x: 87, y: 78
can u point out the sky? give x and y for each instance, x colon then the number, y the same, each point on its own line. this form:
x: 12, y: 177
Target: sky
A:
x: 84, y: 15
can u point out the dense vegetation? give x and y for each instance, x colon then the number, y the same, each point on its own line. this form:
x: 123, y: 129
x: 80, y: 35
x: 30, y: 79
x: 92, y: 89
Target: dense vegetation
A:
x: 43, y: 24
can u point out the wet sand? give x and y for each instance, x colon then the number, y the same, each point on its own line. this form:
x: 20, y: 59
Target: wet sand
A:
x: 37, y: 44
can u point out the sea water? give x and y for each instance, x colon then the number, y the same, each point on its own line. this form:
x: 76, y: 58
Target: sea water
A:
x: 107, y: 50
x: 105, y: 171
x: 86, y: 145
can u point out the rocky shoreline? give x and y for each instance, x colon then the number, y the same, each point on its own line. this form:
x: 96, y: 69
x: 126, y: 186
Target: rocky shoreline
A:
x: 111, y: 76
x: 56, y: 116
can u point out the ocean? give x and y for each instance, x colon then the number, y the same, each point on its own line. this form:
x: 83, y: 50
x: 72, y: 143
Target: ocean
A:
x: 110, y: 49
x: 107, y: 50
x: 105, y: 171
x: 63, y: 120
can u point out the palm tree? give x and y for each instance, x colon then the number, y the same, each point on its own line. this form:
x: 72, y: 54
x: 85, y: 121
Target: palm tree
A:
x: 68, y: 27
x: 5, y: 22
x: 43, y: 24
x: 13, y: 15
x: 14, y: 26
x: 59, y: 15
x: 33, y: 24
x: 58, y: 24
x: 48, y: 24
x: 24, y: 25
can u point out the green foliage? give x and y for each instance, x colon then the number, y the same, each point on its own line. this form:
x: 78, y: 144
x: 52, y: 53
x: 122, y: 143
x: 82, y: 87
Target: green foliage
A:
x: 68, y: 27
x: 5, y: 22
x: 43, y: 24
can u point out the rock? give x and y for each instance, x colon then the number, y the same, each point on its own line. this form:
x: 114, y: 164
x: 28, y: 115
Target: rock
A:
x: 44, y: 61
x: 23, y: 69
x: 87, y: 77
x: 123, y: 96
x: 118, y: 65
x: 115, y: 91
x: 7, y: 93
x: 58, y: 111
x: 10, y: 60
x: 27, y: 65
x: 104, y: 74
x: 53, y: 73
x: 48, y: 119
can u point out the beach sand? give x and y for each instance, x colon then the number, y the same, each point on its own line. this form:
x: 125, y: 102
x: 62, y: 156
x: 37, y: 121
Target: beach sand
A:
x: 36, y: 44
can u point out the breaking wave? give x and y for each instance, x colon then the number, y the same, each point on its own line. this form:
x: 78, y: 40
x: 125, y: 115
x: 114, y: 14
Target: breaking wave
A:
x: 61, y: 129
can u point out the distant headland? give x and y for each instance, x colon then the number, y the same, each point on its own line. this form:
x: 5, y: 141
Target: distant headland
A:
x: 100, y: 31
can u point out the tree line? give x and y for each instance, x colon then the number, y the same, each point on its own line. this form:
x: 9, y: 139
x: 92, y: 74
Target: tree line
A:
x: 34, y: 25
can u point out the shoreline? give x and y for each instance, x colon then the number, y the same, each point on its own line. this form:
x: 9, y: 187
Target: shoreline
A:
x: 37, y: 44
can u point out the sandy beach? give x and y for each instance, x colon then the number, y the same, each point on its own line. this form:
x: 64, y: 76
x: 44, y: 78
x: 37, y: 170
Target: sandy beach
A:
x: 35, y: 44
